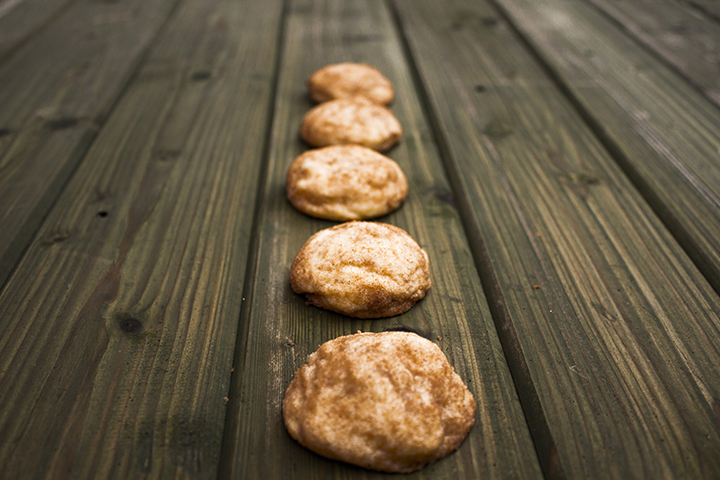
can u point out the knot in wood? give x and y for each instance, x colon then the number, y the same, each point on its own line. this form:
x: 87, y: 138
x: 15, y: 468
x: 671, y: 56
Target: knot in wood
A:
x: 130, y: 325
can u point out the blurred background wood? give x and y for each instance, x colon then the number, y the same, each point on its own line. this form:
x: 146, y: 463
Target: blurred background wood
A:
x: 661, y: 131
x: 678, y: 33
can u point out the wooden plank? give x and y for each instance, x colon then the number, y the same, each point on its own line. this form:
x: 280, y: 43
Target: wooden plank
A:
x: 279, y: 330
x: 20, y: 19
x: 54, y: 93
x: 710, y: 8
x: 117, y: 329
x: 690, y: 42
x: 665, y: 135
x: 621, y: 334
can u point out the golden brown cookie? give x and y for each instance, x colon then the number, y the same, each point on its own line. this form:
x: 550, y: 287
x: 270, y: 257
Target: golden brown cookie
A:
x: 385, y: 401
x: 348, y: 79
x: 362, y: 269
x: 345, y: 182
x: 354, y: 120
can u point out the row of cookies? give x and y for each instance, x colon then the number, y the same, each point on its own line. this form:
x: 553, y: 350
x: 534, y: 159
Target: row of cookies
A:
x: 408, y: 408
x: 345, y: 177
x: 361, y: 269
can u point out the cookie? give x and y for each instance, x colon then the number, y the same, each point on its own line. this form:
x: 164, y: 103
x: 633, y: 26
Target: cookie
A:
x: 345, y: 182
x: 384, y: 401
x: 347, y: 79
x: 361, y: 269
x: 354, y: 120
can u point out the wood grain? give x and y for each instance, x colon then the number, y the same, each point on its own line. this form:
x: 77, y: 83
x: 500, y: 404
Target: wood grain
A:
x: 688, y: 41
x: 279, y: 330
x: 706, y: 7
x: 20, y: 19
x: 664, y: 134
x: 55, y: 92
x: 118, y: 326
x: 619, y: 330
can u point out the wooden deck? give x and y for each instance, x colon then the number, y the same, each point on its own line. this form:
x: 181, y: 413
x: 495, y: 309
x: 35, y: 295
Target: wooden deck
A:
x: 563, y: 158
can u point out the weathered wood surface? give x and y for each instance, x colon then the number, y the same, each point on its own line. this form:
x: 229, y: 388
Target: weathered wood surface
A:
x: 685, y: 38
x: 664, y: 134
x: 19, y: 19
x: 146, y: 240
x: 710, y: 8
x: 118, y: 326
x: 55, y: 92
x: 278, y: 330
x: 620, y: 332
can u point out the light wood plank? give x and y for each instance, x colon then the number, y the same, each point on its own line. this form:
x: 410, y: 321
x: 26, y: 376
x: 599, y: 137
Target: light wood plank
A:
x: 687, y: 40
x: 117, y: 329
x: 54, y: 93
x: 279, y: 330
x: 620, y: 332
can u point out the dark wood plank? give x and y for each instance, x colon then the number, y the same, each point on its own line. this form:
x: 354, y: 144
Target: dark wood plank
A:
x: 54, y: 93
x: 19, y: 19
x: 688, y: 41
x: 118, y: 327
x: 620, y: 332
x: 711, y: 8
x: 665, y: 134
x: 279, y: 330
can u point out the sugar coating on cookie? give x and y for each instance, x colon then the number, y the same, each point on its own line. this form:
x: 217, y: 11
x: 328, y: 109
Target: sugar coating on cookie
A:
x: 345, y: 182
x: 354, y: 120
x: 385, y: 401
x: 341, y: 80
x: 362, y: 269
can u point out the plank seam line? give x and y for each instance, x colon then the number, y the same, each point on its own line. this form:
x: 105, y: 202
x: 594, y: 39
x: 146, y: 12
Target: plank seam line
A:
x: 650, y: 50
x: 699, y: 258
x: 701, y: 9
x: 514, y: 356
x: 96, y: 124
x: 225, y: 468
x: 34, y: 31
x: 26, y: 234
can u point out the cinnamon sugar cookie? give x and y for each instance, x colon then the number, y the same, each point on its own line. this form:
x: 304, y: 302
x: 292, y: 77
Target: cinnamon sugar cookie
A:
x: 345, y: 182
x: 348, y: 79
x: 361, y: 269
x: 353, y: 120
x: 385, y: 401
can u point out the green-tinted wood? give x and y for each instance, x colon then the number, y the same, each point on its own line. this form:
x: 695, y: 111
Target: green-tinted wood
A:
x: 664, y: 133
x: 54, y: 92
x: 621, y: 334
x: 118, y: 327
x: 711, y: 8
x: 688, y: 41
x: 19, y: 19
x: 279, y: 330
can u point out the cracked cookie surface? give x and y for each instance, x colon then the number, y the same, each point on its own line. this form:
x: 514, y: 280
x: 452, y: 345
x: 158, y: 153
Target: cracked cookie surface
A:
x: 362, y: 269
x: 348, y: 79
x: 345, y: 182
x: 353, y: 120
x: 385, y: 401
